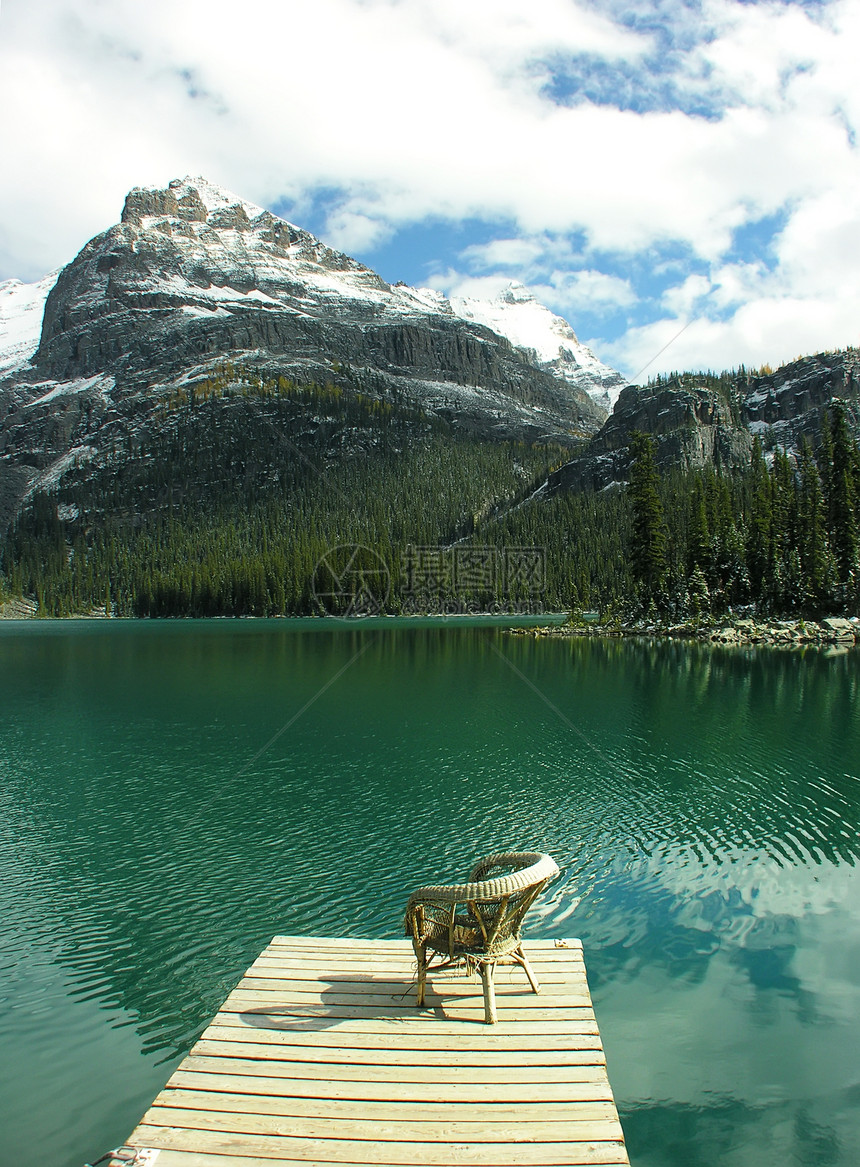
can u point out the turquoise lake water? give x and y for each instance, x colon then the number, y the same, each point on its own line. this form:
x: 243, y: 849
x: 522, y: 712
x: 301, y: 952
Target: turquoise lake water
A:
x: 174, y: 794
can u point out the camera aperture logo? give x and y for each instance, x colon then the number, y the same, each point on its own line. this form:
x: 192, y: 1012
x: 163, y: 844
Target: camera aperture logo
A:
x: 351, y: 580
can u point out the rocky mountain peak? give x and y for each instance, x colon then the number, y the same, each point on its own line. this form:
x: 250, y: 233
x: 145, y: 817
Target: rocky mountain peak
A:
x: 201, y: 213
x: 517, y: 293
x: 194, y: 200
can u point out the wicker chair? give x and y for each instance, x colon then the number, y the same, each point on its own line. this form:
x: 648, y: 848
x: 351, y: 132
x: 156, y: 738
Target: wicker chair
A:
x: 479, y: 922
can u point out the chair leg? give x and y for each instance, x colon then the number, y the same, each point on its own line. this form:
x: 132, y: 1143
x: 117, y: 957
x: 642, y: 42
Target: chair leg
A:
x: 533, y: 981
x: 421, y: 953
x: 487, y: 974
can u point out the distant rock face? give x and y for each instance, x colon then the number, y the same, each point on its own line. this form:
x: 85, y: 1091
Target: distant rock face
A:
x: 695, y: 425
x: 193, y: 275
x: 692, y: 427
x: 784, y: 405
x: 142, y: 204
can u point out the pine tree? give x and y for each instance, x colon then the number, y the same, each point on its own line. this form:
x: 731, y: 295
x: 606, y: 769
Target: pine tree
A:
x: 648, y: 539
x: 843, y: 497
x: 759, y: 524
x: 812, y: 542
x: 784, y: 564
x: 699, y: 548
x: 700, y: 596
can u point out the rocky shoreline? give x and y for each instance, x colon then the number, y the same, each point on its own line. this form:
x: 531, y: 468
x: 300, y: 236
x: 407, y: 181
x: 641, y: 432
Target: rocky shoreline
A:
x: 25, y: 608
x: 832, y: 631
x: 827, y: 633
x: 17, y: 609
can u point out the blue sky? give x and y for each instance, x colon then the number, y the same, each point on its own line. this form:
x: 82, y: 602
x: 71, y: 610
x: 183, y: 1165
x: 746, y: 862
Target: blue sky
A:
x: 652, y: 169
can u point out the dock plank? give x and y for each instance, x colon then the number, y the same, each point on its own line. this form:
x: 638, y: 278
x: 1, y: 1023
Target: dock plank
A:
x: 251, y: 1121
x: 422, y: 1032
x: 320, y: 1056
x: 459, y: 1076
x: 336, y: 1108
x: 340, y: 1151
x: 237, y: 1044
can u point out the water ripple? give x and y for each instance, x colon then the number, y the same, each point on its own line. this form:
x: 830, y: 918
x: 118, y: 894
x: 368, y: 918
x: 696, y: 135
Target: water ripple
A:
x: 144, y: 867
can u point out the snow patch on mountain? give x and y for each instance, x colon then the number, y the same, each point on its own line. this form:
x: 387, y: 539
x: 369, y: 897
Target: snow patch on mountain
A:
x: 204, y: 313
x: 427, y: 299
x: 102, y: 383
x: 22, y: 307
x: 51, y: 476
x: 519, y: 316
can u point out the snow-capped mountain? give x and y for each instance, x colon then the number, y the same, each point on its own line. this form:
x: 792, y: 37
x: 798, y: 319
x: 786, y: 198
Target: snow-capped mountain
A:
x: 517, y: 314
x: 193, y: 276
x: 22, y: 307
x: 195, y: 258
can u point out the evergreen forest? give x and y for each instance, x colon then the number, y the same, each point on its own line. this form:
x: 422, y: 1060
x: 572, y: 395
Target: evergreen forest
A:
x: 248, y: 497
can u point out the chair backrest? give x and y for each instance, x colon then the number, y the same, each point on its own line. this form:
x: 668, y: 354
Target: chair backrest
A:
x: 500, y: 890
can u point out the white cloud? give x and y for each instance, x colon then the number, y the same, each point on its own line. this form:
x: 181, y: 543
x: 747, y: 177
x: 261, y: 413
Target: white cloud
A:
x: 770, y: 329
x: 820, y: 244
x: 467, y: 287
x: 352, y: 232
x: 757, y: 53
x: 576, y: 291
x: 409, y: 109
x: 505, y: 253
x: 526, y: 261
x: 507, y: 32
x: 732, y: 284
x: 547, y: 266
x: 775, y: 55
x: 682, y: 298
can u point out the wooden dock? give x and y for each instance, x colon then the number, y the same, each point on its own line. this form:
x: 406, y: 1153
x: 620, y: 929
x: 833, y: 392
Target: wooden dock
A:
x: 320, y: 1056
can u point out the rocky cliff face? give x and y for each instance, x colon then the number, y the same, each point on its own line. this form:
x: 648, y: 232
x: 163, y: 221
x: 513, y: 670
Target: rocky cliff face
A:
x: 784, y: 405
x: 692, y: 425
x: 700, y: 421
x: 192, y: 276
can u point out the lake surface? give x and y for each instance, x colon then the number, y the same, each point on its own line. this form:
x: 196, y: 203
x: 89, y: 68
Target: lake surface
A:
x: 174, y: 794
